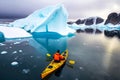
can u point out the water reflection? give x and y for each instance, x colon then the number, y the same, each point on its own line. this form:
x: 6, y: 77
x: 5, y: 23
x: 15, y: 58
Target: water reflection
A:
x: 97, y: 55
x: 110, y: 49
x: 49, y: 43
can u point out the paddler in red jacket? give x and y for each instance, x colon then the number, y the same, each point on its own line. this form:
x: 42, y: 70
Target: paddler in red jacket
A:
x: 57, y: 57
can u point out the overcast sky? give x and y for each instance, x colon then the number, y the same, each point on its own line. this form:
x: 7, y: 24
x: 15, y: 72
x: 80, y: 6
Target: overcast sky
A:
x: 76, y: 8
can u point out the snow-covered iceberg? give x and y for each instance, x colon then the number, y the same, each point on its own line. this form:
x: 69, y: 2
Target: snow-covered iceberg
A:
x: 14, y: 32
x: 49, y: 19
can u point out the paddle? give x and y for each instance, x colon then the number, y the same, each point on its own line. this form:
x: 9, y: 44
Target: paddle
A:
x: 72, y: 62
x: 48, y: 57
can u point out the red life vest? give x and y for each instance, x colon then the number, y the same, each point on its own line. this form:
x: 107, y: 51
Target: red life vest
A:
x: 58, y: 57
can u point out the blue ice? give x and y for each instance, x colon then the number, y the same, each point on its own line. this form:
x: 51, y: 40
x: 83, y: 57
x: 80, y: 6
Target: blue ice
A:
x: 49, y: 19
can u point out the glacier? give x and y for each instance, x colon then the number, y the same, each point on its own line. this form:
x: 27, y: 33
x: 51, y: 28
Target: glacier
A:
x: 48, y: 19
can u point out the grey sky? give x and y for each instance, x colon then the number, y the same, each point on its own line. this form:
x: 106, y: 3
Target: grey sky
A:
x: 76, y: 8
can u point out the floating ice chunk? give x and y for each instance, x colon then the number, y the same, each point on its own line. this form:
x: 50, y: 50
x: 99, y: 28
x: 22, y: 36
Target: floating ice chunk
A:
x: 25, y: 71
x: 1, y: 44
x: 14, y: 52
x: 4, y: 52
x: 20, y: 51
x: 17, y: 43
x: 14, y: 63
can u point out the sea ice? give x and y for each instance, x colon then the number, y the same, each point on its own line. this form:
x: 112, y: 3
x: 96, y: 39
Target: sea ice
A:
x: 4, y: 52
x: 20, y: 51
x: 14, y: 63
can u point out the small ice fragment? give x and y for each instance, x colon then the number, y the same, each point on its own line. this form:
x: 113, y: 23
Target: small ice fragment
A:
x: 14, y: 63
x: 4, y: 52
x: 1, y: 44
x: 17, y: 43
x: 14, y: 52
x: 25, y: 71
x: 20, y: 51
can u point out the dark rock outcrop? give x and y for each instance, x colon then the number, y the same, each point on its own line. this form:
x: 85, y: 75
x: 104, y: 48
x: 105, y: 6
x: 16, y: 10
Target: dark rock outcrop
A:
x: 79, y: 30
x: 89, y: 21
x: 89, y: 30
x: 112, y: 33
x: 99, y: 20
x: 98, y: 31
x: 79, y: 21
x: 113, y: 18
x: 2, y: 38
x: 70, y: 22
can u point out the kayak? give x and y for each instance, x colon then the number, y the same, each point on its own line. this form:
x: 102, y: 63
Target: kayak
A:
x: 53, y: 66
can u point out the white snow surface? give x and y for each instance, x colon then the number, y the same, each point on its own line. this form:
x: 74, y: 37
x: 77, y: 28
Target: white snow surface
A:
x: 14, y: 32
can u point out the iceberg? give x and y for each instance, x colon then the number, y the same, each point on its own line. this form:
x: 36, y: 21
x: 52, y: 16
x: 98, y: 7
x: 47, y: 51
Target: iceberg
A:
x: 49, y: 19
x: 14, y: 32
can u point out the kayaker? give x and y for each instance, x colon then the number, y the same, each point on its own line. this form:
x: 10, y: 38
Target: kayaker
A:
x: 58, y: 57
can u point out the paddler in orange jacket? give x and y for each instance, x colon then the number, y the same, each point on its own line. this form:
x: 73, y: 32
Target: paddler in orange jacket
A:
x: 57, y: 57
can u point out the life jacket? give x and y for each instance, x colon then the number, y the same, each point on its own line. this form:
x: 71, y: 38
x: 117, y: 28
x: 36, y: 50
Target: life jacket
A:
x: 56, y: 57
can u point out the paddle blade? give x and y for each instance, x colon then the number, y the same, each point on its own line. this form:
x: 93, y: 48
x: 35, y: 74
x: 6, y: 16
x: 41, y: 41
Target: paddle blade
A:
x: 71, y: 62
x: 48, y: 55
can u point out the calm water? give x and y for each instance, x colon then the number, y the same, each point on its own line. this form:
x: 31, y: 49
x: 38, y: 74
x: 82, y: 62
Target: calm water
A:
x: 97, y: 57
